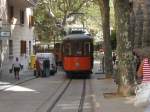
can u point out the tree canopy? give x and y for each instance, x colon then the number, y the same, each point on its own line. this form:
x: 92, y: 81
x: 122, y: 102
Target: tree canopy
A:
x: 51, y: 16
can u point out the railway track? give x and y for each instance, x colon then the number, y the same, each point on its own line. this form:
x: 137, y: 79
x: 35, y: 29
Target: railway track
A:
x: 67, y: 96
x: 58, y: 87
x: 59, y: 97
x: 42, y: 108
x: 64, y: 84
x: 60, y: 91
x: 80, y: 109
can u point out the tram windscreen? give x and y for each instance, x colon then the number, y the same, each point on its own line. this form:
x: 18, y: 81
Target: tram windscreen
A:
x: 67, y: 49
x: 77, y: 48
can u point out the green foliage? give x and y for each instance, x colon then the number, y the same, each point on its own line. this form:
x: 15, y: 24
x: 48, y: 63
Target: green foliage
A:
x: 93, y: 18
x: 45, y: 24
x: 51, y: 16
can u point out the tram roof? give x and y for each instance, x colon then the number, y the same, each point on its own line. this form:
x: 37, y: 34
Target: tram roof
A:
x: 77, y: 36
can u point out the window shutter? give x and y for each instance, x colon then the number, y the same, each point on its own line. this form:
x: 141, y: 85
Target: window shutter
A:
x: 23, y: 47
x: 11, y: 14
x: 21, y: 16
x: 31, y: 21
x: 10, y: 47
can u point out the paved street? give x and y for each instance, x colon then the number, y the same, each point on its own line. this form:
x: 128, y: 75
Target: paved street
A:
x: 44, y: 94
x: 41, y: 34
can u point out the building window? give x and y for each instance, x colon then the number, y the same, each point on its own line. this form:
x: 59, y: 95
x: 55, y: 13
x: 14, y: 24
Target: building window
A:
x: 0, y: 46
x: 31, y: 21
x: 0, y: 53
x: 11, y: 14
x: 10, y: 47
x: 29, y: 47
x: 22, y: 47
x: 21, y: 17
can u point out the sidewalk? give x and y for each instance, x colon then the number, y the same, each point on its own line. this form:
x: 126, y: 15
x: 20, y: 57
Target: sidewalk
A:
x: 110, y: 103
x: 7, y: 79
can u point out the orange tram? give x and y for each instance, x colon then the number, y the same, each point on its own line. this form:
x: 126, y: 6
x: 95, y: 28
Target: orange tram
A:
x: 78, y: 54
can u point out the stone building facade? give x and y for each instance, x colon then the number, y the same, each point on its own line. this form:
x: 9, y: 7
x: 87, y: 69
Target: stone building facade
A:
x: 142, y: 23
x: 16, y: 30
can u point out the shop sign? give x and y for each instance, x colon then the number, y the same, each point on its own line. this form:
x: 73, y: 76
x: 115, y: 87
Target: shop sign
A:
x: 5, y: 34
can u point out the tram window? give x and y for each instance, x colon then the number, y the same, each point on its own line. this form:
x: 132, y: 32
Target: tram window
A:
x: 77, y: 48
x: 87, y: 48
x: 67, y: 49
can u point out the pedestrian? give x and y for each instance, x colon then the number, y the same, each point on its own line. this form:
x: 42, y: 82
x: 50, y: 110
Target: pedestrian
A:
x: 16, y: 67
x: 144, y: 74
x: 37, y: 68
x: 46, y: 67
x: 114, y: 58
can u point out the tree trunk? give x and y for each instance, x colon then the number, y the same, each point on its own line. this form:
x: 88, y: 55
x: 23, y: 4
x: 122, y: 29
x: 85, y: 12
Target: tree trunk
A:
x: 132, y: 28
x: 104, y: 8
x: 124, y: 72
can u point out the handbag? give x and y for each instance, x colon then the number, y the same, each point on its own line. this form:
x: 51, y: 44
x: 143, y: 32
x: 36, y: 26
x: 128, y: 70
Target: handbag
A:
x: 142, y: 97
x: 21, y: 66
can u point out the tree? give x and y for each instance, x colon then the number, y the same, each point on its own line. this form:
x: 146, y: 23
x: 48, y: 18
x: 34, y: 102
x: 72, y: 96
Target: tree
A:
x: 124, y: 47
x: 68, y: 7
x: 51, y: 15
x: 113, y: 40
x: 104, y: 9
x: 45, y: 23
x: 92, y: 18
